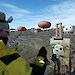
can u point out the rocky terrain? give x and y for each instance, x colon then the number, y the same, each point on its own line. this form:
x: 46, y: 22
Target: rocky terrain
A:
x: 30, y: 44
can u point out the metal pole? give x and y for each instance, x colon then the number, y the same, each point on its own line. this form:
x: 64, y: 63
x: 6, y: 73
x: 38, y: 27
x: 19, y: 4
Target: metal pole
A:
x: 55, y: 68
x: 56, y: 30
x: 66, y: 70
x: 70, y: 62
x: 58, y: 65
x: 59, y: 31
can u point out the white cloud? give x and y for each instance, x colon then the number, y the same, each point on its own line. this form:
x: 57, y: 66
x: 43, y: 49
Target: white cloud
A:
x: 63, y: 12
x: 64, y: 9
x: 16, y: 11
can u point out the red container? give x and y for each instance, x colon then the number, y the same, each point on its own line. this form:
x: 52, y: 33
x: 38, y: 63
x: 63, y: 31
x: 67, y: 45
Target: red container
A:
x: 21, y: 28
x: 44, y: 24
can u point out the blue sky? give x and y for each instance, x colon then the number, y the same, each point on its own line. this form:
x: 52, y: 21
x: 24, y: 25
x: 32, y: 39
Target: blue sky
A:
x: 29, y: 12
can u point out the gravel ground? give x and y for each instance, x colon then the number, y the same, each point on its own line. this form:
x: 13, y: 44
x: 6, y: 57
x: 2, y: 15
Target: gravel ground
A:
x: 30, y: 43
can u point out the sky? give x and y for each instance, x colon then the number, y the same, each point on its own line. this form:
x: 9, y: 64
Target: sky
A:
x: 29, y: 13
